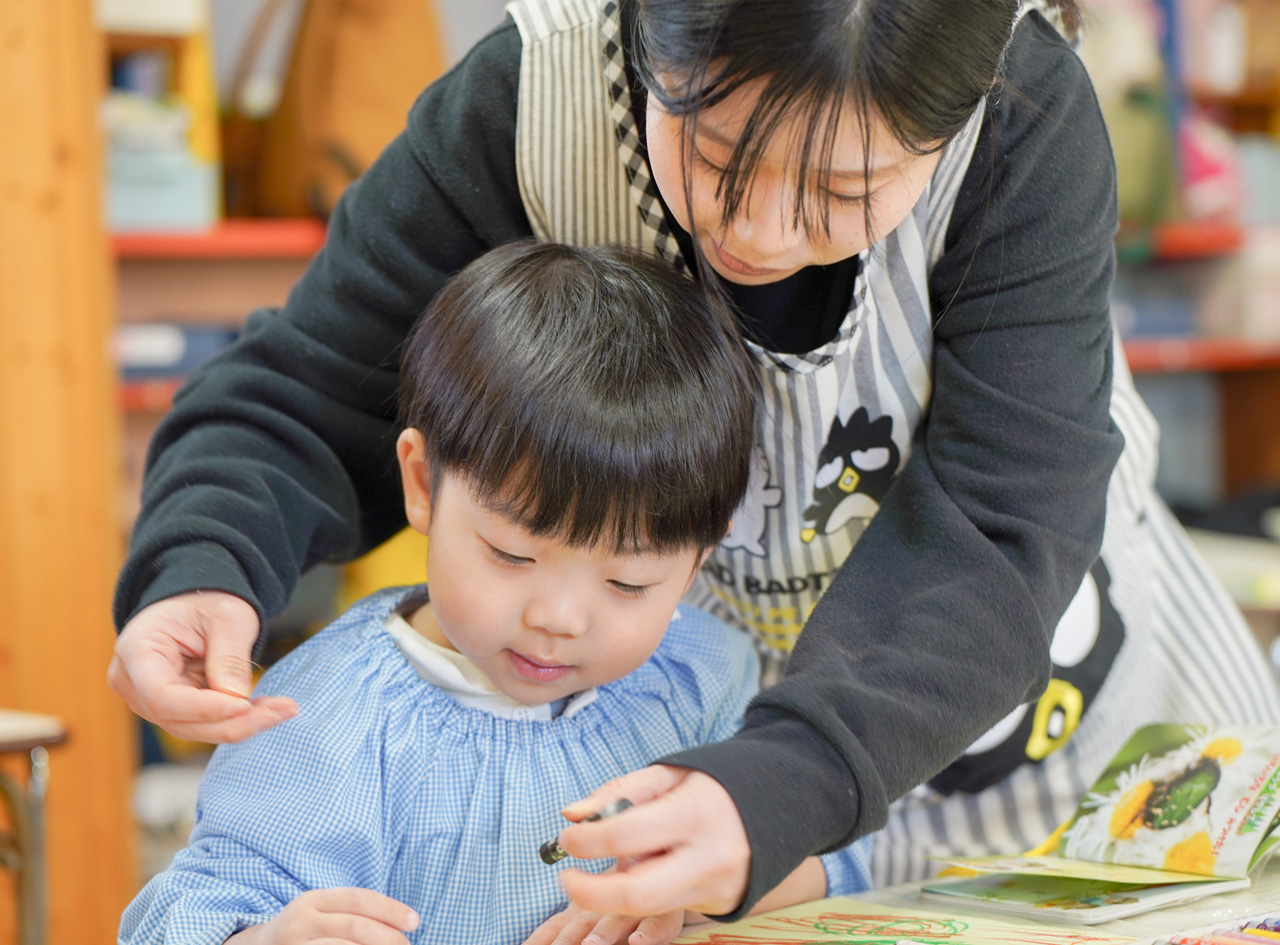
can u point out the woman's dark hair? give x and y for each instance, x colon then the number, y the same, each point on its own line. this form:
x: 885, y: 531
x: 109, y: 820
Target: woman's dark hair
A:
x: 921, y: 66
x: 590, y: 394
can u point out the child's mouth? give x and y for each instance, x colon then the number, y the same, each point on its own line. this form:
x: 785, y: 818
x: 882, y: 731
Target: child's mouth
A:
x: 536, y: 671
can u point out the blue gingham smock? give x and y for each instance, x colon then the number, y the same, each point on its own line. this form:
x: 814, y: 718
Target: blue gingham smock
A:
x: 386, y: 782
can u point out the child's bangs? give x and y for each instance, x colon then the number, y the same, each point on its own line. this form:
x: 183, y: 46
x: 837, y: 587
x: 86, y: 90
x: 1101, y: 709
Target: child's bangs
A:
x: 628, y: 499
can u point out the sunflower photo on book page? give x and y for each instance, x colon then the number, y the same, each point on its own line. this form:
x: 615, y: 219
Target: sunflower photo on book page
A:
x: 1182, y: 811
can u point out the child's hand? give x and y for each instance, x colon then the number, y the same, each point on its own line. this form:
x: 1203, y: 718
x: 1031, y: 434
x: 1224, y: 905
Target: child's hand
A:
x: 358, y: 916
x: 577, y: 926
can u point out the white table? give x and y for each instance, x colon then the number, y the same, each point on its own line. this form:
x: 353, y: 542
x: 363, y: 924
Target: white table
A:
x: 1149, y: 927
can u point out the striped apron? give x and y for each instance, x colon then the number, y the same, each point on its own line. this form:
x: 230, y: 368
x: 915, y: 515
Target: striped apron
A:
x: 1150, y: 635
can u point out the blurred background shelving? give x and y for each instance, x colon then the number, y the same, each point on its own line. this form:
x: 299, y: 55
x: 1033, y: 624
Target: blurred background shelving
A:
x: 1191, y: 93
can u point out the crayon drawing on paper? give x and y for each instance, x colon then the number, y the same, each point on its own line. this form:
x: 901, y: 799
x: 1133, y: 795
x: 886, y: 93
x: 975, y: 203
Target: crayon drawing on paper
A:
x: 850, y: 922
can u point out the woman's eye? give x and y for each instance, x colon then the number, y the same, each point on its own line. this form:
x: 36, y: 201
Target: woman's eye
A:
x: 849, y: 200
x: 505, y: 557
x: 633, y: 590
x: 702, y: 160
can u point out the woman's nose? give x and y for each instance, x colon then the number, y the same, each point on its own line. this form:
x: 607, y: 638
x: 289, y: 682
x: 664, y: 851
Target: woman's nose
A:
x: 764, y: 228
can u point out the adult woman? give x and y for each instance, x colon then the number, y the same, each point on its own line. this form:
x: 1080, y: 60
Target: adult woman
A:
x: 944, y: 399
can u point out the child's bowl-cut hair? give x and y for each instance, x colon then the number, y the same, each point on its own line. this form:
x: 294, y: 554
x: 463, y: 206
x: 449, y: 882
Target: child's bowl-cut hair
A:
x: 591, y: 394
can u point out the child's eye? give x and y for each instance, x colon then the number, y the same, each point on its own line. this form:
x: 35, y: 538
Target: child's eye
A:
x: 502, y: 556
x: 632, y: 590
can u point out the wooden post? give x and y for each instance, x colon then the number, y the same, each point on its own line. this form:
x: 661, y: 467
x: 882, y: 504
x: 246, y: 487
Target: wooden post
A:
x: 60, y: 533
x: 1251, y: 443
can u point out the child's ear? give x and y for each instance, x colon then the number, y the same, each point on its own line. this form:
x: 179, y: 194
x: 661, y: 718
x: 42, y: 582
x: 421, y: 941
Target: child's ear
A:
x: 702, y: 559
x: 706, y: 553
x: 415, y: 478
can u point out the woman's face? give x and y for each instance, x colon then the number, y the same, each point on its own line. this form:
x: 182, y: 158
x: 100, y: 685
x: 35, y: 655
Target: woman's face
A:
x: 764, y: 243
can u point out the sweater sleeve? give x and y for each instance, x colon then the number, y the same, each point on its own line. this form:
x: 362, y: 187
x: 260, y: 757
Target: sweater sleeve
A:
x: 939, y: 622
x: 279, y: 453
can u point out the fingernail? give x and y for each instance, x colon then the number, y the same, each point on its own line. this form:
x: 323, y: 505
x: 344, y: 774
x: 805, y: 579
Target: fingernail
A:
x: 412, y: 921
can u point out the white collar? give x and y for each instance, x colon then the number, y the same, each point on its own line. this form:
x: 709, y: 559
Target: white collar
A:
x: 453, y: 673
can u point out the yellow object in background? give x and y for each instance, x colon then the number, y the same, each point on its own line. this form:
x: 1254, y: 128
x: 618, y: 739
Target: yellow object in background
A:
x: 402, y: 560
x: 195, y: 85
x: 179, y: 749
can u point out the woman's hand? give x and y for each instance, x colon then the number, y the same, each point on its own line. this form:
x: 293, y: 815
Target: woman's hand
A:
x: 358, y: 916
x: 183, y: 663
x: 577, y: 926
x: 685, y: 830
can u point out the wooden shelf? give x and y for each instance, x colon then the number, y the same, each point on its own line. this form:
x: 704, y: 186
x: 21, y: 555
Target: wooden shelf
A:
x: 124, y: 43
x: 297, y: 238
x: 1254, y: 108
x: 1184, y: 355
x: 1250, y: 96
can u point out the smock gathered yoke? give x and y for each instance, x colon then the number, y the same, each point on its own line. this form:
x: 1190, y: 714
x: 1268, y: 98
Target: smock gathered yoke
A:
x: 386, y: 781
x: 1148, y: 634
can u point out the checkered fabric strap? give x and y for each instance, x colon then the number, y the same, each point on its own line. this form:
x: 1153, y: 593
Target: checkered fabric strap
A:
x: 644, y: 191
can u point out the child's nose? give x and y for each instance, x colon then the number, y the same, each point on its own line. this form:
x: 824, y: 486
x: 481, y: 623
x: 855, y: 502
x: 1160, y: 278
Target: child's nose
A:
x: 557, y: 611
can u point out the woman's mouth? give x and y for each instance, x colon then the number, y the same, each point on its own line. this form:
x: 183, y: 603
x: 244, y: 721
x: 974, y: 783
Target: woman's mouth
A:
x: 537, y: 670
x: 734, y: 264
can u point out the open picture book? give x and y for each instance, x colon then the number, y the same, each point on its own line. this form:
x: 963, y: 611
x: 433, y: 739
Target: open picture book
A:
x: 1181, y: 812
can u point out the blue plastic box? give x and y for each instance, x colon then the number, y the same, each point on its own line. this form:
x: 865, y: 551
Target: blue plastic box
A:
x: 161, y: 191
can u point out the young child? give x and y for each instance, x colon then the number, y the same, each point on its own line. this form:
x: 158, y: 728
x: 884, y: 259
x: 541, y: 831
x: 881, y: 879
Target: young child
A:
x: 578, y: 429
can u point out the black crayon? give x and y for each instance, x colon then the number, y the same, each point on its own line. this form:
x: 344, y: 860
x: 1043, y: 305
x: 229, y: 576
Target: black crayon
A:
x: 551, y: 851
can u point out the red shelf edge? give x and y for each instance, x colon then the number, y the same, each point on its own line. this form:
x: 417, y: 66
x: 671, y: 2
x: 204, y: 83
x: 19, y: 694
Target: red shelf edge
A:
x: 295, y: 238
x: 1178, y: 240
x: 148, y: 396
x: 1197, y: 240
x: 1182, y: 355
